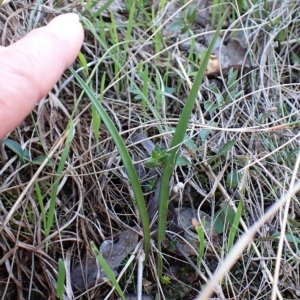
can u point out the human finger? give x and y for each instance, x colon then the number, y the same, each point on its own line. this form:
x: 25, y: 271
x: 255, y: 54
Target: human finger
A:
x: 30, y: 67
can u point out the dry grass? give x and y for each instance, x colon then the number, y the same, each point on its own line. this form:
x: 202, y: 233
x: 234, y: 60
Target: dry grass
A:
x: 94, y: 200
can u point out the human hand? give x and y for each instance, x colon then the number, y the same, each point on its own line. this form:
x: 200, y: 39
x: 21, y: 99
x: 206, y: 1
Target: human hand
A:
x: 30, y: 67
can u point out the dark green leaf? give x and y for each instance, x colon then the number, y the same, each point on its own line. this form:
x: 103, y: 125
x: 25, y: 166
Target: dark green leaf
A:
x: 292, y: 238
x: 292, y: 155
x: 204, y: 134
x: 182, y: 161
x: 60, y: 279
x: 232, y: 179
x: 214, y: 89
x: 231, y: 82
x: 138, y: 97
x: 219, y: 222
x: 176, y: 26
x: 226, y: 147
x: 14, y: 146
x: 26, y: 155
x: 191, y: 14
x: 134, y: 180
x: 169, y: 90
x: 210, y: 106
x: 40, y: 159
x: 235, y: 224
x: 228, y: 213
x: 293, y: 222
x: 189, y: 143
x: 178, y: 137
x: 223, y: 217
x: 150, y: 164
x: 289, y: 236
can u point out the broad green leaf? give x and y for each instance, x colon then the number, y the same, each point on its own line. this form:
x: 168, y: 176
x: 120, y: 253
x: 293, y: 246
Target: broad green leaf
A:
x: 232, y: 179
x: 210, y: 106
x: 182, y: 161
x: 292, y: 238
x: 26, y: 155
x: 137, y: 93
x: 223, y: 217
x: 191, y: 14
x: 204, y: 134
x: 138, y: 97
x: 228, y: 212
x: 214, y: 89
x: 40, y: 159
x: 14, y: 146
x: 23, y: 154
x: 219, y: 222
x: 295, y: 58
x: 177, y: 26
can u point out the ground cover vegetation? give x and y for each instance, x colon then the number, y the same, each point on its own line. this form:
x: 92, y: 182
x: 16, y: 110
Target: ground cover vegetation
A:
x: 169, y: 152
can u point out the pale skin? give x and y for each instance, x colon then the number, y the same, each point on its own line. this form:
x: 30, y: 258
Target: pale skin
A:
x: 31, y: 67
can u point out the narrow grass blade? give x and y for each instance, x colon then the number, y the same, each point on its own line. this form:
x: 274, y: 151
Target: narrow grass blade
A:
x: 129, y: 27
x: 96, y: 119
x: 222, y: 151
x: 200, y: 232
x: 110, y: 53
x: 41, y: 203
x: 108, y: 271
x: 83, y: 62
x: 60, y: 279
x: 175, y: 144
x: 102, y: 8
x: 234, y: 227
x: 64, y: 155
x: 34, y: 11
x: 134, y: 180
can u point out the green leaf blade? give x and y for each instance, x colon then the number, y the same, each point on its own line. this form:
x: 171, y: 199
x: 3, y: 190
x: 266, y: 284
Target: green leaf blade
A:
x: 175, y: 144
x: 134, y: 180
x: 60, y: 279
x: 107, y: 269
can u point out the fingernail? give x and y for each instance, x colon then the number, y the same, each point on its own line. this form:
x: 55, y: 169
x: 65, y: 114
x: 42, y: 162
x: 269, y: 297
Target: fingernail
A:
x: 65, y: 21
